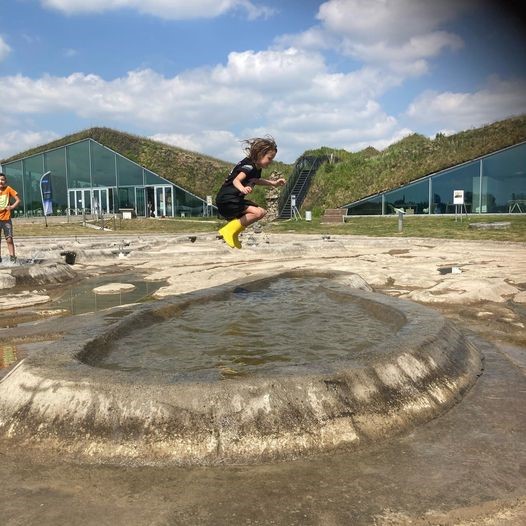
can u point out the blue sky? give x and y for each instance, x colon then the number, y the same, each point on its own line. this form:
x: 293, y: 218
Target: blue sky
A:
x: 205, y: 74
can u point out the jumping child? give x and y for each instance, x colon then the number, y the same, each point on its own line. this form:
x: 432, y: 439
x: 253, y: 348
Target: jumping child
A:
x: 6, y: 226
x: 230, y: 200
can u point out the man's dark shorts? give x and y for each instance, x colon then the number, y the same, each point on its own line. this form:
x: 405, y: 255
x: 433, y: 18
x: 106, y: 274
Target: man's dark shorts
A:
x: 7, y: 228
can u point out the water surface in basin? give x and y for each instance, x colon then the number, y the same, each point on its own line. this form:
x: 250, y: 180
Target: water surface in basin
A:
x: 256, y: 330
x: 80, y: 298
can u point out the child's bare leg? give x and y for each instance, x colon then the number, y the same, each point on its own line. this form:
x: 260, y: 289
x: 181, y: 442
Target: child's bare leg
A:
x: 233, y: 228
x: 10, y: 246
x: 252, y: 214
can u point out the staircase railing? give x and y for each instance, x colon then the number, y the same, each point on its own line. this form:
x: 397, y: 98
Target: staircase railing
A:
x: 305, y: 168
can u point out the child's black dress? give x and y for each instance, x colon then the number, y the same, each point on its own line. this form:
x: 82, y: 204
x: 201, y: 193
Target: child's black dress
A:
x: 230, y: 202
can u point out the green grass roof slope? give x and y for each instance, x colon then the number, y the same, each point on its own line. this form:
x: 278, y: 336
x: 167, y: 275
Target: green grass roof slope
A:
x: 357, y: 175
x: 198, y: 173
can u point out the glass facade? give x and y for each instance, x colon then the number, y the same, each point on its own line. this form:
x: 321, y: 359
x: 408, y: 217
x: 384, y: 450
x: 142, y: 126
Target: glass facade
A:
x: 495, y: 183
x: 16, y: 180
x: 128, y: 173
x: 33, y: 171
x: 55, y: 162
x: 413, y: 198
x: 443, y: 185
x: 89, y: 178
x: 78, y: 163
x: 504, y: 182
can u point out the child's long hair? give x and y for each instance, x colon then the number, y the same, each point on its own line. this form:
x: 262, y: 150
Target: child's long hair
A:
x: 257, y: 147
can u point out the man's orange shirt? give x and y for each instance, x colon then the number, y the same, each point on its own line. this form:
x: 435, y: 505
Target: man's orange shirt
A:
x: 5, y: 195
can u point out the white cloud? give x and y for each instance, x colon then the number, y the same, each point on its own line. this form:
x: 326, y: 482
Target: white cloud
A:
x: 269, y: 69
x: 145, y: 97
x: 313, y: 38
x: 497, y: 100
x: 253, y: 89
x: 405, y: 56
x: 401, y: 35
x: 167, y: 9
x: 393, y: 21
x: 15, y: 141
x: 4, y: 49
x: 299, y: 91
x: 355, y: 87
x: 210, y: 110
x: 226, y: 145
x: 342, y: 126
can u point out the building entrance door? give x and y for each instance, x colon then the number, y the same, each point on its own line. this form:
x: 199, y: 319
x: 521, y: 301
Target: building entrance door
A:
x: 78, y: 201
x: 158, y: 201
x: 90, y: 201
x: 100, y: 201
x: 140, y: 202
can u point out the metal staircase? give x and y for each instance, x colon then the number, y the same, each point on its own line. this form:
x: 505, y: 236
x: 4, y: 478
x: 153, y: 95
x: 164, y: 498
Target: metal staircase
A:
x: 298, y: 184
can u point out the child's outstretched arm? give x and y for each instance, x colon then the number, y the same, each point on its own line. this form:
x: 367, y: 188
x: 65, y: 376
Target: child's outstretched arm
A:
x: 268, y: 182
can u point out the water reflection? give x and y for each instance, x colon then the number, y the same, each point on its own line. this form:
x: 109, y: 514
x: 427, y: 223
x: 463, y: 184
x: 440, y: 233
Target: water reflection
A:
x: 80, y: 298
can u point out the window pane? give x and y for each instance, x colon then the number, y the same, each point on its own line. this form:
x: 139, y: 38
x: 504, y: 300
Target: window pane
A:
x: 463, y: 178
x: 33, y: 171
x: 160, y: 201
x: 413, y: 199
x: 372, y: 206
x: 129, y: 173
x: 187, y: 204
x: 55, y: 162
x: 78, y: 165
x: 102, y: 166
x: 127, y: 197
x: 151, y: 178
x: 114, y: 205
x: 140, y: 202
x: 15, y: 179
x: 168, y: 194
x: 504, y: 181
x: 87, y: 201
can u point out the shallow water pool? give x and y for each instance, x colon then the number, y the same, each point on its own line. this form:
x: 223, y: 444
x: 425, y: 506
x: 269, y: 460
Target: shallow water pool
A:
x: 256, y: 330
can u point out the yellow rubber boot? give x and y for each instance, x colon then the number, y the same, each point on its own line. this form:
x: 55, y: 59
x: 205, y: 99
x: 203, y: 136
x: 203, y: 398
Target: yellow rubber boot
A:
x: 237, y: 243
x: 230, y: 230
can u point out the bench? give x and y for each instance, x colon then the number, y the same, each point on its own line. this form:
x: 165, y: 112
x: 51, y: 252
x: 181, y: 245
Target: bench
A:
x: 334, y: 215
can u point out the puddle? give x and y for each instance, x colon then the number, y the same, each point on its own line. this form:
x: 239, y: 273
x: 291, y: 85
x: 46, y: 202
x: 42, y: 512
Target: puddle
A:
x: 80, y: 298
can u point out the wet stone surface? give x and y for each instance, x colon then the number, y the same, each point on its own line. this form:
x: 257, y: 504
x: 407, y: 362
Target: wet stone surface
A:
x: 464, y: 468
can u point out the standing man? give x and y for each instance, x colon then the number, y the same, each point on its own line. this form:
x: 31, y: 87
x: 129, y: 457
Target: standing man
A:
x: 6, y: 226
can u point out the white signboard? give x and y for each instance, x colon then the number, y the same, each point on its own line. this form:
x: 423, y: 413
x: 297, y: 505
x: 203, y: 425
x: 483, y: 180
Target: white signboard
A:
x: 208, y: 200
x: 292, y: 200
x: 458, y: 197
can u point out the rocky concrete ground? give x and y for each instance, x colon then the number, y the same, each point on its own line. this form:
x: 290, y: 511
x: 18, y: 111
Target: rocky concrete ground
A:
x: 465, y: 468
